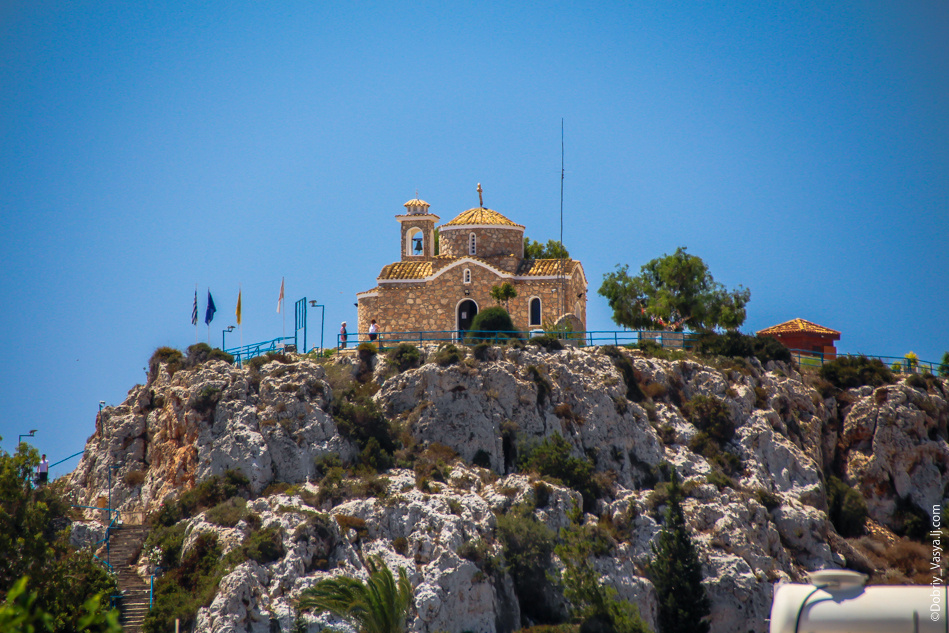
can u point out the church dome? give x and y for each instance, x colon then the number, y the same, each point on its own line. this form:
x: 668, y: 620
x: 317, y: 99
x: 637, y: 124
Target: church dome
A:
x: 480, y: 216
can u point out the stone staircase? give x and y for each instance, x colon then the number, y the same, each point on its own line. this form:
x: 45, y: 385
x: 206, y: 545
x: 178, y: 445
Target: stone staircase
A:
x: 126, y: 541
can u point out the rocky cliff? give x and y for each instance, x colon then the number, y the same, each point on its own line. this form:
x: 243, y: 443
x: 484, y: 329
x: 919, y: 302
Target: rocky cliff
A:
x: 755, y: 445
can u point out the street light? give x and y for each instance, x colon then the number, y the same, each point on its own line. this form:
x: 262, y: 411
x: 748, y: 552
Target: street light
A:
x: 230, y: 328
x: 30, y: 434
x: 314, y: 304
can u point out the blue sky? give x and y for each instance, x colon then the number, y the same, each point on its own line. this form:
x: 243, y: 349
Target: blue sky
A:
x: 801, y: 149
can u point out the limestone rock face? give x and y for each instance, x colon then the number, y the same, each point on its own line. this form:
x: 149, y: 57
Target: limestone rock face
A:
x: 897, y: 448
x: 766, y: 522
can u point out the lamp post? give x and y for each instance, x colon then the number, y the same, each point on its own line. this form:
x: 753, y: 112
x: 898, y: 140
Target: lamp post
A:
x: 30, y: 434
x: 314, y: 304
x: 230, y: 328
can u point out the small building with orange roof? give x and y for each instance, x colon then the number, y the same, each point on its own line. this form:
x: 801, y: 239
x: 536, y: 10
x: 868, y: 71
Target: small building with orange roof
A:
x: 804, y: 336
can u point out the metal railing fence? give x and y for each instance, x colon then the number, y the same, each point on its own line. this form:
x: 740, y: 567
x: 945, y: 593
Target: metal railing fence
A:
x: 685, y: 341
x: 246, y: 352
x: 896, y: 364
x: 669, y: 340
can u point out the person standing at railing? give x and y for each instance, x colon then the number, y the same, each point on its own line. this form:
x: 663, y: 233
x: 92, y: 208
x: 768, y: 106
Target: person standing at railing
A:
x: 342, y: 335
x: 43, y: 470
x: 373, y: 330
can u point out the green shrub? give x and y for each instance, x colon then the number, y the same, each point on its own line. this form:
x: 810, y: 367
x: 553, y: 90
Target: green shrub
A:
x: 768, y: 499
x: 171, y: 358
x: 324, y: 463
x: 849, y: 372
x: 528, y: 546
x: 481, y: 351
x: 206, y: 494
x: 651, y: 348
x: 914, y: 522
x: 187, y: 586
x: 720, y: 480
x: 551, y: 458
x: 227, y: 513
x: 200, y: 353
x: 491, y: 324
x: 738, y: 345
x: 711, y: 415
x: 255, y: 363
x: 403, y: 357
x: 447, y: 354
x: 548, y: 341
x: 944, y: 365
x: 633, y: 391
x: 133, y: 478
x: 479, y: 553
x: 375, y: 457
x: 265, y: 545
x: 363, y: 422
x: 197, y: 354
x: 846, y: 507
x: 711, y: 449
x: 206, y: 400
x: 219, y: 354
x: 595, y: 606
x: 542, y: 492
x: 660, y: 494
x: 401, y: 545
x: 917, y: 381
x: 366, y: 350
x: 435, y: 462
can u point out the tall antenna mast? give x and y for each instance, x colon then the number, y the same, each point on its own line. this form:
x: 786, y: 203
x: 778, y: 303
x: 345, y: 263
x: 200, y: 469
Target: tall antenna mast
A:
x: 563, y: 296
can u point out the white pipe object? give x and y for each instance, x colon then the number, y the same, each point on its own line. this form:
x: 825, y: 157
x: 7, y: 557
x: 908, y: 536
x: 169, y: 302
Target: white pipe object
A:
x: 836, y: 601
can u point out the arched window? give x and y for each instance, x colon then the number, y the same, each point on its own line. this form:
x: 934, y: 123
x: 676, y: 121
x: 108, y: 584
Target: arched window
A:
x: 535, y: 311
x: 472, y: 244
x: 467, y: 276
x: 414, y: 243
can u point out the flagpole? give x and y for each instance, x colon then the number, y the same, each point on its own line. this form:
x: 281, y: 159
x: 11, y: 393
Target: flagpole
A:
x: 240, y: 321
x: 194, y: 313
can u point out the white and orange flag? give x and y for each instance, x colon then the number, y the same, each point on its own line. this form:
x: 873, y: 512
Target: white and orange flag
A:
x: 280, y: 298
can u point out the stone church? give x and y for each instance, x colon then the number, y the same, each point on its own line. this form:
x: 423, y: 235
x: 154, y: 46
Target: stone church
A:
x: 440, y: 288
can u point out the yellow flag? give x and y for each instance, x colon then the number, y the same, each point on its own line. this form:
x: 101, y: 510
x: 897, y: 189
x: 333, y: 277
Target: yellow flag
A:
x: 238, y: 311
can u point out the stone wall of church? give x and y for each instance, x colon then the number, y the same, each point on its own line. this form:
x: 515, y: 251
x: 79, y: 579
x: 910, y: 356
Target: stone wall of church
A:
x: 495, y: 242
x: 432, y: 306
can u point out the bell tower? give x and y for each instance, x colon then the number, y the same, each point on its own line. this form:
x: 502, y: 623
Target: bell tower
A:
x: 418, y: 230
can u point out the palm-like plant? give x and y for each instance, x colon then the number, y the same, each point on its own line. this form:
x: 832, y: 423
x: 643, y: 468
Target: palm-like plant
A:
x: 379, y: 605
x: 505, y: 292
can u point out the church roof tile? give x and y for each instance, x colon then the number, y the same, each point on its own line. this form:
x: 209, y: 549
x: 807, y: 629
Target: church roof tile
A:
x: 545, y: 267
x: 480, y: 215
x: 406, y: 270
x: 798, y: 326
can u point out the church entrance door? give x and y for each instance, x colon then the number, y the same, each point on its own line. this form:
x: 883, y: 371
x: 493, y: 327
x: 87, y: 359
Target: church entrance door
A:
x: 467, y: 310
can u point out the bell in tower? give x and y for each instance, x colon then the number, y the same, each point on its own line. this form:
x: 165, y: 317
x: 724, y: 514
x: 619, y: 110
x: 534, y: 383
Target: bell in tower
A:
x: 418, y: 230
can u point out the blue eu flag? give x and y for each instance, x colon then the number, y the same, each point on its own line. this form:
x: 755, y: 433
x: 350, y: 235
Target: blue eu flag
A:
x: 209, y: 315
